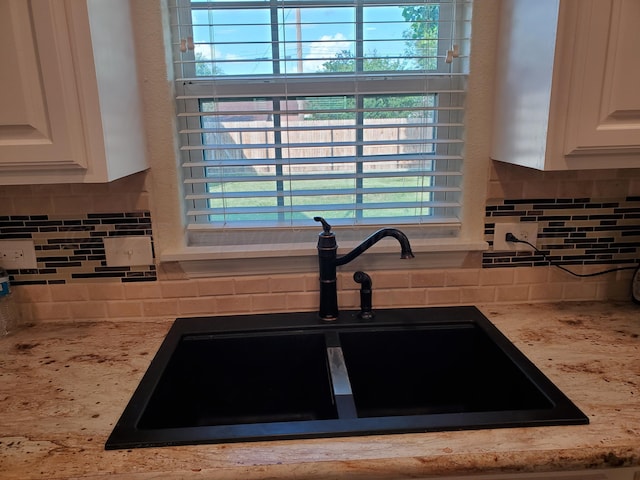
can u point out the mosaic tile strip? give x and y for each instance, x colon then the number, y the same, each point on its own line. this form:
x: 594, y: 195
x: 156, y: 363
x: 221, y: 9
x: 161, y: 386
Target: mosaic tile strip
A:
x: 571, y: 231
x: 71, y: 249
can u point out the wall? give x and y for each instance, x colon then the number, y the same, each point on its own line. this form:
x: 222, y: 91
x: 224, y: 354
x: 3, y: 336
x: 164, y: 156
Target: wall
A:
x: 600, y: 207
x: 166, y: 293
x: 583, y: 218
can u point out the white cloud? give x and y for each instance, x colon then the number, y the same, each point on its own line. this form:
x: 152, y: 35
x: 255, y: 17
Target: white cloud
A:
x: 209, y: 52
x: 231, y: 56
x: 325, y: 49
x: 206, y: 52
x: 317, y: 54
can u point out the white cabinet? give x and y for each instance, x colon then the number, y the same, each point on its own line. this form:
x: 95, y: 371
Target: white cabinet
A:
x: 568, y: 84
x: 70, y: 107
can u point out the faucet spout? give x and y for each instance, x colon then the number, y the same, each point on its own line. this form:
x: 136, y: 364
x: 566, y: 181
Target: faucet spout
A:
x: 328, y: 260
x: 405, y: 246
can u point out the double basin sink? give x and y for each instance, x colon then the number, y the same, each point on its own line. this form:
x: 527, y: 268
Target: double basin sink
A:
x: 286, y: 376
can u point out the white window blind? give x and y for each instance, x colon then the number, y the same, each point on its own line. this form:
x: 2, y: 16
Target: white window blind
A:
x: 348, y: 109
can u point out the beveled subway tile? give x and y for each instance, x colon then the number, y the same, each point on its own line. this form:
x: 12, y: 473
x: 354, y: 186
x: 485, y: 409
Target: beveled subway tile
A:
x: 443, y: 296
x: 512, y: 293
x: 126, y: 308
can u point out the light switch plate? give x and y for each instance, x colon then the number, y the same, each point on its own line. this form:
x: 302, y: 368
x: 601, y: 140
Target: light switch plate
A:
x: 128, y: 251
x: 17, y: 254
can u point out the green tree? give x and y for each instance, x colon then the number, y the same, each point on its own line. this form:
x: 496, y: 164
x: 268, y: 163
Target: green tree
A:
x: 205, y: 67
x: 376, y: 106
x: 345, y: 61
x: 422, y: 35
x: 343, y: 106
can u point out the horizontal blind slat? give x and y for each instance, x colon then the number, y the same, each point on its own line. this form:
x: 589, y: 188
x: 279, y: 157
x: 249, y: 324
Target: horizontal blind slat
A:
x: 316, y: 208
x: 207, y: 95
x: 326, y: 176
x: 450, y: 159
x: 304, y: 193
x: 187, y: 115
x: 261, y: 146
x: 300, y: 162
x: 230, y: 129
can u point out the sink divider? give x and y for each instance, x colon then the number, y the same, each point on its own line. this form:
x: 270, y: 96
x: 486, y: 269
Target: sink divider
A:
x: 342, y: 393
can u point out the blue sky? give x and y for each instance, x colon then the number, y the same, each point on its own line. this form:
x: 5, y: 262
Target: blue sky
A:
x: 243, y: 38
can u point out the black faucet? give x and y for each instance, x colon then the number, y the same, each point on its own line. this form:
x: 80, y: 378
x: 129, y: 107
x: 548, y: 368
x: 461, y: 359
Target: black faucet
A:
x: 328, y: 260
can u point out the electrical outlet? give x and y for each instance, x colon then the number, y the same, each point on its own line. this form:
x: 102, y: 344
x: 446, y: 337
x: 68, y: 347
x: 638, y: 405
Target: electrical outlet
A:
x: 17, y: 254
x: 527, y: 231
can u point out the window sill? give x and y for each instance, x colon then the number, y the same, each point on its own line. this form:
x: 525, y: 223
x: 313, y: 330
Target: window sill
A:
x: 210, y: 261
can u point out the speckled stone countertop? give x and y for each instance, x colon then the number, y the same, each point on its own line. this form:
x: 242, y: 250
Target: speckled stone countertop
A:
x: 64, y: 385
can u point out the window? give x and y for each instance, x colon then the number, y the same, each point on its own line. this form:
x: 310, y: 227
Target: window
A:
x: 347, y: 109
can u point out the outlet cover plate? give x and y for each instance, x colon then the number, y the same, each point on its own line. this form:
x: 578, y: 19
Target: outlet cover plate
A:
x: 524, y: 231
x: 128, y: 251
x: 17, y: 254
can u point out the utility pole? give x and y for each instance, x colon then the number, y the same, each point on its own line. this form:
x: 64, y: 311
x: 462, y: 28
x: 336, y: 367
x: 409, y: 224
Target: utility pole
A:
x: 299, y: 38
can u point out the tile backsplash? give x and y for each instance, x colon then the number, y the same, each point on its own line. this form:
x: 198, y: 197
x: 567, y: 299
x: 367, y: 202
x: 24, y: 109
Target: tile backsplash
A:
x: 571, y: 231
x: 586, y: 221
x: 70, y: 248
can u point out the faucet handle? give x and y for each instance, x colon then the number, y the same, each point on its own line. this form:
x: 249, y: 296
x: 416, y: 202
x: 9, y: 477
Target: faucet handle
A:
x: 325, y: 226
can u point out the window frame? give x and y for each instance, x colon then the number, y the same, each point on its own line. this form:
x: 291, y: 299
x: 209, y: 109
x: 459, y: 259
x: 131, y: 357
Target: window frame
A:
x: 252, y: 255
x: 191, y: 89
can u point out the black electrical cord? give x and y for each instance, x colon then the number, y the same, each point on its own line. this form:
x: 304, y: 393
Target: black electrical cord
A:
x: 510, y: 237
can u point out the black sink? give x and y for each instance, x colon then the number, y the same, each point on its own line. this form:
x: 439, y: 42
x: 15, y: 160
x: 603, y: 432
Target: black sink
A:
x: 285, y: 376
x: 226, y: 380
x: 432, y: 370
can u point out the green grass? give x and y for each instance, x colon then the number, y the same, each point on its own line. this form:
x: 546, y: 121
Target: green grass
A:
x: 347, y: 185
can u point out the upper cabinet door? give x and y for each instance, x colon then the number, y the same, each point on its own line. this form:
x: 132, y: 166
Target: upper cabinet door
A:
x: 70, y: 106
x: 567, y: 78
x: 605, y: 109
x: 40, y: 116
